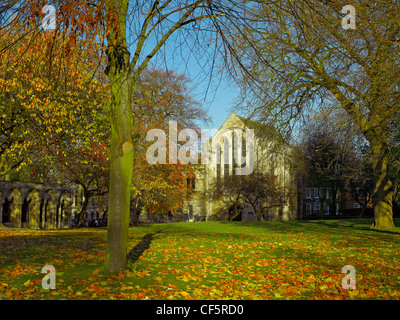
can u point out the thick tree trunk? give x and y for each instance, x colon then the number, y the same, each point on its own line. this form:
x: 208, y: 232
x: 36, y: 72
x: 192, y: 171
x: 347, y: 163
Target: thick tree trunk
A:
x: 121, y: 150
x: 236, y: 212
x: 383, y: 192
x: 121, y: 169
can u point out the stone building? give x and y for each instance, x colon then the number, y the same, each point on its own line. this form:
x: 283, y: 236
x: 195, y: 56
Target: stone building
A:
x: 36, y: 205
x: 270, y: 154
x: 240, y: 146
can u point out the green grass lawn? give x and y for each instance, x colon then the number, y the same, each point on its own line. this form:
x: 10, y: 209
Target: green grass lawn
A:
x: 207, y: 260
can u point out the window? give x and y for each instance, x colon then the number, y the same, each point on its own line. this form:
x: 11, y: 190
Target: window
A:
x: 219, y: 160
x: 191, y: 183
x: 308, y: 193
x: 308, y: 208
x: 226, y: 157
x: 326, y: 209
x: 327, y: 194
x: 244, y: 153
x: 218, y: 171
x: 226, y: 170
x: 316, y: 193
x: 356, y: 205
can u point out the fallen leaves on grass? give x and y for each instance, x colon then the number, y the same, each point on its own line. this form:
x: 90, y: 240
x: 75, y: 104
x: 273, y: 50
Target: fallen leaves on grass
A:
x: 241, y: 263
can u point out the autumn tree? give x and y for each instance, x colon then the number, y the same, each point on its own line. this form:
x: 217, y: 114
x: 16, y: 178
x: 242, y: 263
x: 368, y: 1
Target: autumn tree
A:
x: 258, y: 190
x: 56, y: 118
x: 227, y: 190
x: 300, y: 56
x: 161, y: 96
x: 43, y: 107
x: 152, y: 24
x: 132, y: 33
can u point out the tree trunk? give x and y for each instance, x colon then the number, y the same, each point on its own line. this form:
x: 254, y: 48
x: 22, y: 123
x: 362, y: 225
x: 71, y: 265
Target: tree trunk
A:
x: 79, y: 221
x: 136, y: 211
x: 333, y: 204
x: 236, y: 212
x: 121, y: 169
x: 383, y: 192
x: 321, y: 207
x: 364, y: 208
x: 121, y: 150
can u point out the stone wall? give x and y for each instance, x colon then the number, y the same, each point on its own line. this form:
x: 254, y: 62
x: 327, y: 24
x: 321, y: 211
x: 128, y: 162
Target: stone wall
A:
x: 36, y: 205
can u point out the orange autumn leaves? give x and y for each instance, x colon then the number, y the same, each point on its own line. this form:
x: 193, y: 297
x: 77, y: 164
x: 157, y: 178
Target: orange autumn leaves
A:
x: 206, y: 260
x: 161, y: 96
x: 56, y: 82
x: 51, y: 94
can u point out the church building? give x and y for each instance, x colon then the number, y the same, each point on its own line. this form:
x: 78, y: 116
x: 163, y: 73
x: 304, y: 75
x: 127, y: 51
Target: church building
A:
x: 259, y: 148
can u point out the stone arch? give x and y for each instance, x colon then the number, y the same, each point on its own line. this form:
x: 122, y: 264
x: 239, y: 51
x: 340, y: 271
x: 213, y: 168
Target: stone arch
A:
x: 6, y: 211
x: 50, y: 210
x: 25, y: 213
x: 42, y: 212
x: 64, y: 212
x: 34, y: 206
x: 15, y: 201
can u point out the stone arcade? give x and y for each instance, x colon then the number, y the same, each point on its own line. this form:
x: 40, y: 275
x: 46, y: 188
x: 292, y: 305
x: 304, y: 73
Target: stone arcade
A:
x: 36, y: 205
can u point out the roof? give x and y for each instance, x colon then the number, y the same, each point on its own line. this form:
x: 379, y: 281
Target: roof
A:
x: 261, y: 130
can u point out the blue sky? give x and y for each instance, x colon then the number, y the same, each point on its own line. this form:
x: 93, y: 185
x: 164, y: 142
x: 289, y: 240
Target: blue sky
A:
x: 218, y: 97
x: 219, y: 104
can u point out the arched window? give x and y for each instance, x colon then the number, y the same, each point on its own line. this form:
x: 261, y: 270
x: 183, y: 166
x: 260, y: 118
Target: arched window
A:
x: 191, y: 183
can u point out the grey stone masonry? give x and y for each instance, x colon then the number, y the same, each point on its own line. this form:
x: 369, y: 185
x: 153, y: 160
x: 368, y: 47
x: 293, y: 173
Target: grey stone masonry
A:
x: 36, y: 205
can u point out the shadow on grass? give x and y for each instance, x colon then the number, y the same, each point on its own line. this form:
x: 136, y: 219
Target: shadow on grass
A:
x: 141, y: 247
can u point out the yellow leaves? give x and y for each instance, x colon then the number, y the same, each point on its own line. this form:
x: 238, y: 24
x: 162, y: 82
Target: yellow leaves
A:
x: 353, y: 293
x: 141, y: 274
x: 184, y: 294
x: 395, y: 294
x: 278, y: 296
